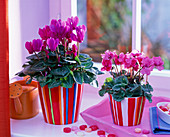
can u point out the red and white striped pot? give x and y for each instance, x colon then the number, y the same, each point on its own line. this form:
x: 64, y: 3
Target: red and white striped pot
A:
x: 127, y: 112
x: 60, y: 106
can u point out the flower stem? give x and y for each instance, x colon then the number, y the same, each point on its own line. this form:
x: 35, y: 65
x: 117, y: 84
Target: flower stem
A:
x: 146, y: 79
x: 64, y: 49
x: 131, y: 73
x: 116, y: 66
x: 112, y: 73
x: 58, y: 50
x: 37, y: 55
x: 137, y: 72
x: 121, y: 69
x: 78, y: 49
x: 57, y: 58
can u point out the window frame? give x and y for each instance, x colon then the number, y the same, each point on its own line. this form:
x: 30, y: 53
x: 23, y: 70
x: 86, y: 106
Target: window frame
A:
x: 156, y: 78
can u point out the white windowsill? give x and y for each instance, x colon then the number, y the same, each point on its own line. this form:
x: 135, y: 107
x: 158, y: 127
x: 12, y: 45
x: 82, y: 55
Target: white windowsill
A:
x: 36, y: 127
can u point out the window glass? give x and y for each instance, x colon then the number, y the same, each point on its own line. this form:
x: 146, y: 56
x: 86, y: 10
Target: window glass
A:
x: 156, y: 29
x: 109, y: 25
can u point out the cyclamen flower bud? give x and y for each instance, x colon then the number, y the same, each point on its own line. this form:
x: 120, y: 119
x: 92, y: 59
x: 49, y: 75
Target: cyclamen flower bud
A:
x: 37, y: 45
x: 52, y: 43
x: 29, y: 47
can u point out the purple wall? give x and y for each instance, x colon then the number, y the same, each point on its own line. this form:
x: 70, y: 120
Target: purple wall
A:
x: 25, y: 18
x: 33, y: 15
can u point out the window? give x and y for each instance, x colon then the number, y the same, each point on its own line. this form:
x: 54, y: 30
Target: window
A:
x: 150, y: 26
x: 101, y: 18
x: 156, y: 29
x: 109, y: 26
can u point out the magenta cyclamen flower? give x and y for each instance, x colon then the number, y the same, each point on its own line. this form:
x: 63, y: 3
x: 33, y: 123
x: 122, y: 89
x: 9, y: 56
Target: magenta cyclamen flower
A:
x: 107, y: 65
x: 80, y: 31
x: 37, y: 45
x: 72, y: 22
x: 158, y: 63
x: 73, y: 51
x: 45, y: 32
x: 58, y: 28
x: 108, y: 55
x: 52, y: 43
x: 29, y: 47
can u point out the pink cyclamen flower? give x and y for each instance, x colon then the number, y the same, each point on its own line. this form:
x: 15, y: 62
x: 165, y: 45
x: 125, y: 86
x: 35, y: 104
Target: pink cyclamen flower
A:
x: 140, y: 58
x: 29, y: 47
x: 119, y: 60
x: 108, y: 55
x: 158, y: 63
x: 147, y: 62
x: 135, y: 53
x: 136, y: 67
x: 121, y: 57
x: 107, y: 65
x: 130, y: 62
x: 37, y: 45
x: 52, y: 43
x: 146, y: 70
x: 45, y: 32
x: 147, y: 65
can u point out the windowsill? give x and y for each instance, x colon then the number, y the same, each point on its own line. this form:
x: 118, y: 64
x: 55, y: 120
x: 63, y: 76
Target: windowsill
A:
x: 36, y: 126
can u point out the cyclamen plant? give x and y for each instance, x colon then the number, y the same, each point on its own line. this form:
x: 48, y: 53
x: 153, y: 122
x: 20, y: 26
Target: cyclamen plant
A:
x: 56, y: 61
x: 128, y: 74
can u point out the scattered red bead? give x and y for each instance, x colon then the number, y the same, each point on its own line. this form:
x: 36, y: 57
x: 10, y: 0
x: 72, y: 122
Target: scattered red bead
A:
x: 82, y: 127
x: 67, y: 130
x: 111, y: 135
x: 145, y: 131
x: 100, y: 132
x: 94, y: 127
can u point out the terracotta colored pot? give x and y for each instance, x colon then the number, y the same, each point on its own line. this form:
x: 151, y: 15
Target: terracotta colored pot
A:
x: 60, y: 105
x: 127, y: 112
x: 27, y: 104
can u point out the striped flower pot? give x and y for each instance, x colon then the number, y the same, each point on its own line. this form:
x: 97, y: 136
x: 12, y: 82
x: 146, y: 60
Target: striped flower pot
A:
x: 60, y: 106
x: 127, y: 112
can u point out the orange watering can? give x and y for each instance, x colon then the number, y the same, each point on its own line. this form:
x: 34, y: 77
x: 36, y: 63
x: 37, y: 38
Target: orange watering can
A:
x: 24, y: 101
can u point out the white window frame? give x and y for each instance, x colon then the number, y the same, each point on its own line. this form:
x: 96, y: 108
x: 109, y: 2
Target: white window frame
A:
x: 62, y: 9
x: 159, y: 80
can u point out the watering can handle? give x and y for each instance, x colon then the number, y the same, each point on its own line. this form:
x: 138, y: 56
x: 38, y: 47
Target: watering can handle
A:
x: 18, y: 105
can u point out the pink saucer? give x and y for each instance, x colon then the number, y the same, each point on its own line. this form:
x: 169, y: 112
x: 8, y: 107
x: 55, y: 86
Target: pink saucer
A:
x: 100, y: 115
